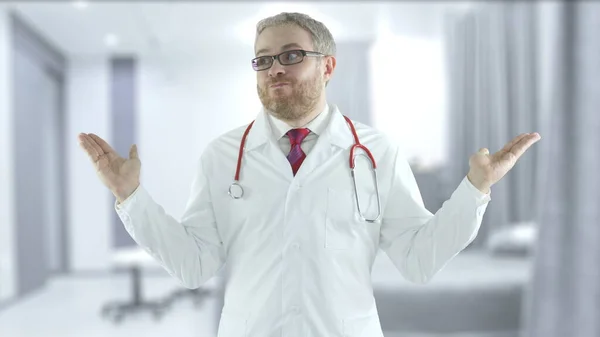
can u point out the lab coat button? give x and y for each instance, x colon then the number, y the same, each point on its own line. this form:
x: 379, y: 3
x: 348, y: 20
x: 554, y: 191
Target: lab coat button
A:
x: 295, y: 245
x: 295, y: 310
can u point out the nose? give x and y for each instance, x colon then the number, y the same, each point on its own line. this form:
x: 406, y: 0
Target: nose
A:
x: 276, y: 69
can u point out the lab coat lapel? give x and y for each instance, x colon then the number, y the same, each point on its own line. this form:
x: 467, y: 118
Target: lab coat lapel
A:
x: 260, y: 140
x: 336, y: 137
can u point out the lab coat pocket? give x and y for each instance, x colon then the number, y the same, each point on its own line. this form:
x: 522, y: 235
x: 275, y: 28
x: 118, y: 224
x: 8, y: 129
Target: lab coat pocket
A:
x: 231, y: 325
x: 343, y: 227
x: 366, y: 326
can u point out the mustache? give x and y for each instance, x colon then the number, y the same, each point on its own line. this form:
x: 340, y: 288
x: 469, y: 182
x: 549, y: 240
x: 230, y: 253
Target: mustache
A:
x: 273, y: 82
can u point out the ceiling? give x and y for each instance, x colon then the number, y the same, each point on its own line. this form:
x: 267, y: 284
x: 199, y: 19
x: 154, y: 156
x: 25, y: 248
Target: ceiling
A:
x: 83, y: 28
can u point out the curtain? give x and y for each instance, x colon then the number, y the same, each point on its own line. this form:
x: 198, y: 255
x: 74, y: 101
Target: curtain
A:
x: 492, y: 94
x: 564, y: 296
x: 349, y: 88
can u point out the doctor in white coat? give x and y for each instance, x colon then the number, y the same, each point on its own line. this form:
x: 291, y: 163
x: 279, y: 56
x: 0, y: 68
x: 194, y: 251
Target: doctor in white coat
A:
x: 297, y: 250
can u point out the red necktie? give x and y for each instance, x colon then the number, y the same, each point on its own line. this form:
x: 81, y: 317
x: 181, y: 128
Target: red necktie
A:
x: 296, y: 155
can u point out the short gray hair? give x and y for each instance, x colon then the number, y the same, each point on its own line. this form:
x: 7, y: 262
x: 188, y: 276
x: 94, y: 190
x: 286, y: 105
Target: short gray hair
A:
x: 322, y: 39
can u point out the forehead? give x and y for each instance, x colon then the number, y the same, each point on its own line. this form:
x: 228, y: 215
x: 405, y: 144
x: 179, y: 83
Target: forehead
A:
x: 276, y: 39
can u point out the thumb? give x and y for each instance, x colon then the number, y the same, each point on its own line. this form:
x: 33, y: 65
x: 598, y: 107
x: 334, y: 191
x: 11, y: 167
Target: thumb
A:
x: 133, y: 153
x: 483, y: 150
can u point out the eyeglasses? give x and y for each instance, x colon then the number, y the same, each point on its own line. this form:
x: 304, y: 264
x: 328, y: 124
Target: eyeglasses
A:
x: 285, y: 59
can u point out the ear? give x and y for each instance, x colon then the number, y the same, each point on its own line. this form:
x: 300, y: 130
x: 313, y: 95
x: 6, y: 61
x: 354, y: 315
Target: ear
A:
x: 330, y: 63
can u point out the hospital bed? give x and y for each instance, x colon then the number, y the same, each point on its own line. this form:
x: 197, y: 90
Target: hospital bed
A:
x: 479, y: 293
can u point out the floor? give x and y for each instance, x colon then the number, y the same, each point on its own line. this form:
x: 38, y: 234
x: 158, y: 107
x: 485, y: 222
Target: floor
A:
x: 71, y: 307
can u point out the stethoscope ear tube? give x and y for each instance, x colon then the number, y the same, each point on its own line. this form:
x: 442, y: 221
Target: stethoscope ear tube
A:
x: 362, y: 217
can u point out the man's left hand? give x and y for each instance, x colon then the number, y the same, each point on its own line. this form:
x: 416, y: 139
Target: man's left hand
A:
x: 487, y: 169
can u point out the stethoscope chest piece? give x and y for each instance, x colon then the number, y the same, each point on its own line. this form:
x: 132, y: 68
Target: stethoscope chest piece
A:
x: 235, y: 190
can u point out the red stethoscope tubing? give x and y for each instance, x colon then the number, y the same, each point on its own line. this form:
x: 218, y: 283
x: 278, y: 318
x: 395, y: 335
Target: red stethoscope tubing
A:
x: 356, y: 145
x: 241, y: 153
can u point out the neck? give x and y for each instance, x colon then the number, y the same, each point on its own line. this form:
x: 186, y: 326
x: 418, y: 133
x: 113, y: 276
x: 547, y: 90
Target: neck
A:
x: 309, y: 117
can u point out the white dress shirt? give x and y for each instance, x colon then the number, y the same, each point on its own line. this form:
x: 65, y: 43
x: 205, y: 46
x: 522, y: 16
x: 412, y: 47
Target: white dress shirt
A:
x: 316, y: 127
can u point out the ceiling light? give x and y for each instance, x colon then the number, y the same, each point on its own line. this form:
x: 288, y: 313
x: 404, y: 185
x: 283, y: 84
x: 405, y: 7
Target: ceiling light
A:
x: 80, y: 4
x: 246, y: 30
x: 111, y: 40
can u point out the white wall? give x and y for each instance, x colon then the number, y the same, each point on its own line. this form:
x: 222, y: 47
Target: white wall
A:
x: 183, y: 104
x: 91, y: 203
x: 7, y: 216
x: 409, y: 95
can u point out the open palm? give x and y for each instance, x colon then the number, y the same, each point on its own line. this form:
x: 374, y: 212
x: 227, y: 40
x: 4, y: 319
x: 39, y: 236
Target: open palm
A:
x: 119, y: 174
x: 487, y: 169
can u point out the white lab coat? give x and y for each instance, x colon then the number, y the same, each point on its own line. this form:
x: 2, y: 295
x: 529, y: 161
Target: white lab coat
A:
x: 298, y: 256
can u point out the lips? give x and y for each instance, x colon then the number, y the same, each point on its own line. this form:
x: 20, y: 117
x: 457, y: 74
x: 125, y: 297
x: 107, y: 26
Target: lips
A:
x: 278, y: 85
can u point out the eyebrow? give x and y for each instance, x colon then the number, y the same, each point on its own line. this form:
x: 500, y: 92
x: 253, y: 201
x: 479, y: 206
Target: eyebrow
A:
x: 289, y: 45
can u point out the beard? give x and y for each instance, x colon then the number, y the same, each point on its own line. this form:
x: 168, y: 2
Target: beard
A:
x: 296, y: 105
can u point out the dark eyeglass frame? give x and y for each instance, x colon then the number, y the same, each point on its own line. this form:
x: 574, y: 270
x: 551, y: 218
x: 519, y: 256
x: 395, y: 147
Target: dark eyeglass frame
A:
x: 272, y: 58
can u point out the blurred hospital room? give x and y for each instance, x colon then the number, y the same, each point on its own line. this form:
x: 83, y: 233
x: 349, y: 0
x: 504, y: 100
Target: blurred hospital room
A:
x: 443, y: 79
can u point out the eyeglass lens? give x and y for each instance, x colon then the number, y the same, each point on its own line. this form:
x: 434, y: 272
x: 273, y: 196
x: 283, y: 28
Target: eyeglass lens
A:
x: 285, y: 58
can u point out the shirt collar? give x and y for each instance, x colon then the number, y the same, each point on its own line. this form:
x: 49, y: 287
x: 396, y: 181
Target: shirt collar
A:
x: 334, y: 130
x: 316, y: 126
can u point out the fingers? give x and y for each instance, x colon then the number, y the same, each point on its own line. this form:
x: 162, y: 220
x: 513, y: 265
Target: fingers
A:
x: 94, y: 144
x: 517, y: 146
x: 524, y: 143
x: 105, y: 148
x: 133, y: 153
x: 88, y: 145
x: 514, y: 141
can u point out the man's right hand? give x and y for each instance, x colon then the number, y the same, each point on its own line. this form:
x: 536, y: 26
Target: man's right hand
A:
x: 120, y: 175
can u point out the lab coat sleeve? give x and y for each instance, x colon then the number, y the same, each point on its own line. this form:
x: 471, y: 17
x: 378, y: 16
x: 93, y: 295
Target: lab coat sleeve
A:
x: 191, y: 249
x: 418, y: 242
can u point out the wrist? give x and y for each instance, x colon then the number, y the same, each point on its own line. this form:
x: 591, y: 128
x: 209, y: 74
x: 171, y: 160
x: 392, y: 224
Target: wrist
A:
x: 480, y: 184
x: 123, y: 193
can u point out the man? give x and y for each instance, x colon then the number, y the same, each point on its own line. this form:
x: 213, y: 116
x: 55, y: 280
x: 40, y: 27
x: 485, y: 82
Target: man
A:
x: 297, y: 246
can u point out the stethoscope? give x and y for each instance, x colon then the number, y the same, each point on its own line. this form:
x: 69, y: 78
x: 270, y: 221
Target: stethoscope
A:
x: 236, y: 191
